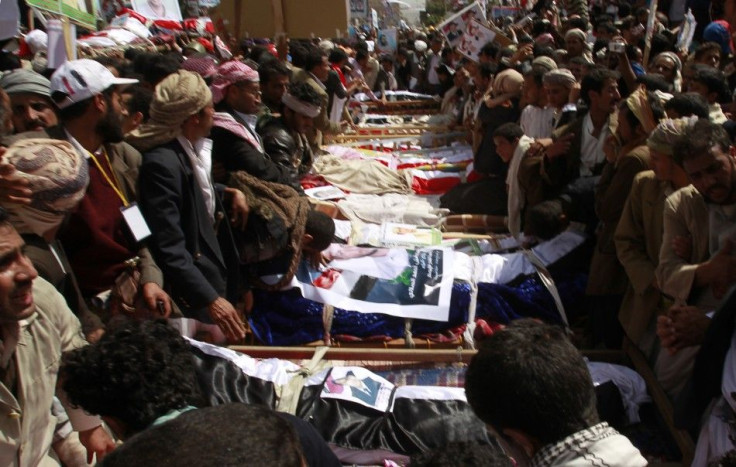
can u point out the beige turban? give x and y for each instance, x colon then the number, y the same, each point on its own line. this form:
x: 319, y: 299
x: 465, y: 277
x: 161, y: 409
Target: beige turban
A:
x: 668, y: 132
x: 58, y: 177
x: 561, y: 76
x: 545, y: 63
x: 577, y: 33
x: 179, y: 96
x: 509, y: 81
x: 638, y: 103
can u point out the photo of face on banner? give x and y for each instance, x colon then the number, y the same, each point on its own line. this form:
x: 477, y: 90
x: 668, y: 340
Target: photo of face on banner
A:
x: 386, y: 43
x: 158, y: 9
x: 463, y: 23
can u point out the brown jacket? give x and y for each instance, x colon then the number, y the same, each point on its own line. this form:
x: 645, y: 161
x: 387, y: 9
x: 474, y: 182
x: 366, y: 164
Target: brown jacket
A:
x: 607, y: 276
x: 685, y: 214
x: 638, y: 239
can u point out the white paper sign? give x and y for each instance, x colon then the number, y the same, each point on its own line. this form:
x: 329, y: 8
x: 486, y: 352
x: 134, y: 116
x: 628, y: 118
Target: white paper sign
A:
x: 57, y: 51
x: 460, y: 24
x: 470, y: 44
x: 356, y: 384
x: 9, y: 19
x: 135, y: 222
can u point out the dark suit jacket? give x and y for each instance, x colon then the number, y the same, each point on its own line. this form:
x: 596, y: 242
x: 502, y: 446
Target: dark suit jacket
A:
x: 235, y: 153
x: 198, y: 261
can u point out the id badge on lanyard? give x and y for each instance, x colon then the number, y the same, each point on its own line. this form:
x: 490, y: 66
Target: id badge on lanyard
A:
x: 136, y: 223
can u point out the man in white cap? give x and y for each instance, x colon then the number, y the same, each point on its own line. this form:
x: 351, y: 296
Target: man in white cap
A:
x: 30, y: 100
x: 101, y: 243
x: 236, y: 145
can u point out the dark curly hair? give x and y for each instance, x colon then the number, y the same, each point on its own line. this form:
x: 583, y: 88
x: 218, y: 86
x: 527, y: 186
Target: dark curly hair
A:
x: 463, y: 454
x: 135, y: 373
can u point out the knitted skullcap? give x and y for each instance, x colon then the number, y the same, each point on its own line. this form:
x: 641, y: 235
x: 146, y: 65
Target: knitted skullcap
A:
x: 545, y: 63
x: 509, y: 81
x: 577, y: 33
x: 561, y: 76
x: 668, y: 131
x: 58, y: 177
x: 57, y: 173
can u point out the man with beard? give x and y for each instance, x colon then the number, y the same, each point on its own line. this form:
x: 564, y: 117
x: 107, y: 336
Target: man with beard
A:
x: 284, y: 138
x: 316, y: 73
x: 97, y: 238
x: 236, y: 145
x: 696, y: 262
x: 30, y: 100
x: 703, y: 213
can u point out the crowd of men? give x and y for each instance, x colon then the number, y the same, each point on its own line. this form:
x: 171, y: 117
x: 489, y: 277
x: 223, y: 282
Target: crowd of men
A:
x: 135, y: 187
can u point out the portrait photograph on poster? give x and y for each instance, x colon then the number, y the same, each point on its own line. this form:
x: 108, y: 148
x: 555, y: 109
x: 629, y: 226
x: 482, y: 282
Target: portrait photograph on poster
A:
x: 158, y: 9
x: 462, y: 23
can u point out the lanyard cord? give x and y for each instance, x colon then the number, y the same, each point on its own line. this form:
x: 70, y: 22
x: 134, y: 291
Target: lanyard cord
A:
x: 114, y: 185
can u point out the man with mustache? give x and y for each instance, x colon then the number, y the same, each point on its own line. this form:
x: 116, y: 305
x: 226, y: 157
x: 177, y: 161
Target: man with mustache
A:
x: 699, y: 226
x: 30, y: 100
x: 36, y: 326
x: 96, y: 240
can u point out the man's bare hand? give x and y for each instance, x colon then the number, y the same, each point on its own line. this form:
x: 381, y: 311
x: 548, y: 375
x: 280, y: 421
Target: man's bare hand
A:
x: 719, y: 272
x: 682, y: 326
x: 559, y: 147
x: 227, y: 318
x: 538, y: 146
x: 13, y: 189
x: 97, y: 442
x: 157, y: 301
x: 682, y: 246
x: 315, y: 258
x: 239, y: 209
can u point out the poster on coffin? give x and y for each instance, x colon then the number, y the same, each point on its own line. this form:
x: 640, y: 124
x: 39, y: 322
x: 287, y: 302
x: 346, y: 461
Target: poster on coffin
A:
x: 393, y: 281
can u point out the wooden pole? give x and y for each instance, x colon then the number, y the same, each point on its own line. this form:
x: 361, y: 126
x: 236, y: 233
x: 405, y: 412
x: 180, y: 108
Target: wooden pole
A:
x: 68, y: 39
x: 342, y: 353
x: 278, y: 16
